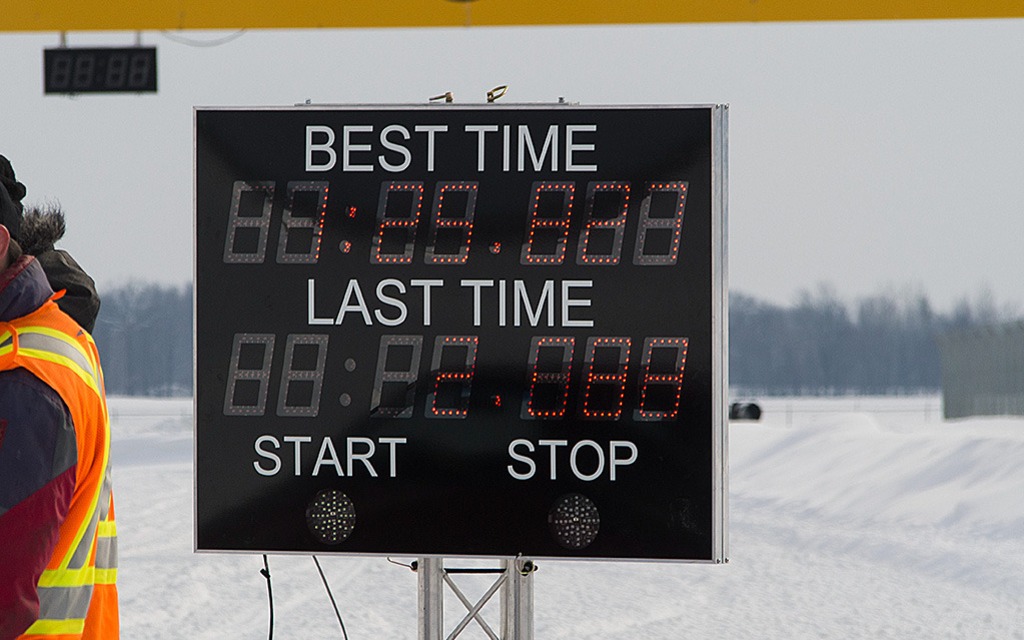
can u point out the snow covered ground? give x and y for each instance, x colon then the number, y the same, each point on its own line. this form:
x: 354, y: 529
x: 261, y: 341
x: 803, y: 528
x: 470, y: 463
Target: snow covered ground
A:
x: 849, y: 518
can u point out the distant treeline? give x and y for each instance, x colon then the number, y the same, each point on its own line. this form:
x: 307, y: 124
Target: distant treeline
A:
x: 144, y: 334
x: 882, y: 344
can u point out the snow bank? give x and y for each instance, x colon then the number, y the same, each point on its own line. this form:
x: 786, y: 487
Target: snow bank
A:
x: 850, y: 518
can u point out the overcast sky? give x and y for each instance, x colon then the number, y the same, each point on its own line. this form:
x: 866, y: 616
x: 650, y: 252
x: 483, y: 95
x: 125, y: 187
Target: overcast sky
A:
x: 869, y: 156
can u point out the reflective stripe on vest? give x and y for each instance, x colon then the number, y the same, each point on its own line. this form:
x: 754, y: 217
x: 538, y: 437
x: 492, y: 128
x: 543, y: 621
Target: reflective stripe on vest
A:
x: 70, y: 601
x: 47, y: 344
x: 106, y: 539
x: 58, y: 352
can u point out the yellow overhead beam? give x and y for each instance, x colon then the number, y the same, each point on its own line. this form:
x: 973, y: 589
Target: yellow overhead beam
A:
x: 133, y: 15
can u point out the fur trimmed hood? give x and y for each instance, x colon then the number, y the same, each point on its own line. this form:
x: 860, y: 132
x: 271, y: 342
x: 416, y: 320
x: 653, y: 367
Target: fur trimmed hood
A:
x: 41, y: 228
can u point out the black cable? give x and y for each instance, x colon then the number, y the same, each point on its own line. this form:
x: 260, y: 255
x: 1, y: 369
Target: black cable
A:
x: 270, y: 593
x: 331, y: 596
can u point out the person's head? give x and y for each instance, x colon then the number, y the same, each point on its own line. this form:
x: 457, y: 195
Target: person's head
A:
x: 5, y: 246
x: 11, y: 212
x: 10, y: 223
x: 15, y: 190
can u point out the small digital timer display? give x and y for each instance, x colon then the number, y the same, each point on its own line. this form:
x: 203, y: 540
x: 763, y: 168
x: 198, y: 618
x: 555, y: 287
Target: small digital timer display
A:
x: 453, y: 319
x: 99, y: 70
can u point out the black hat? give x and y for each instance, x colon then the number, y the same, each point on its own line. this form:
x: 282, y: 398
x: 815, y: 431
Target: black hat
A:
x: 11, y: 194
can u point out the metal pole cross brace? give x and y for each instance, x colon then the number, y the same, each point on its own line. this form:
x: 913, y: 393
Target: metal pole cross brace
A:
x: 514, y: 581
x: 474, y: 610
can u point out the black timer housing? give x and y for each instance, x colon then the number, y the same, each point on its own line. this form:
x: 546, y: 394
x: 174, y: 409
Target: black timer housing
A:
x: 461, y: 331
x: 69, y: 70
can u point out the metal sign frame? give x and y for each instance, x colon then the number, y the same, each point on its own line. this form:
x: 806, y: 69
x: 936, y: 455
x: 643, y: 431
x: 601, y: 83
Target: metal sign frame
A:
x: 281, y: 268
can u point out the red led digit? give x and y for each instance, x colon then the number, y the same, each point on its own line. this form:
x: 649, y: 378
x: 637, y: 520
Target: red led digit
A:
x: 395, y: 239
x: 548, y: 377
x: 449, y: 221
x: 449, y: 396
x: 661, y: 378
x: 604, y: 386
x: 251, y: 204
x: 303, y: 219
x: 253, y: 374
x: 605, y: 225
x: 547, y: 229
x: 661, y: 224
x: 299, y: 394
x: 394, y: 389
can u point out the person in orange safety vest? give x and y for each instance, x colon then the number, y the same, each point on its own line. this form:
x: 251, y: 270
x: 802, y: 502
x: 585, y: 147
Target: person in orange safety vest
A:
x: 58, y: 539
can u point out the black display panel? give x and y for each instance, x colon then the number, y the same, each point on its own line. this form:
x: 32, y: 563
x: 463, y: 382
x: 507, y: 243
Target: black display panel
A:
x: 461, y: 331
x: 99, y: 70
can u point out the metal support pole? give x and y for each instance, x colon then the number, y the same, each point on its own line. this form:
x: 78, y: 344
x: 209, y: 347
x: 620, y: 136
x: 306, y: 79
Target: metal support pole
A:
x: 515, y: 580
x: 517, y: 600
x: 430, y: 582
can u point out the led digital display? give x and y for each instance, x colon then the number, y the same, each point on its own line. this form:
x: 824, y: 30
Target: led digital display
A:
x: 99, y: 70
x: 467, y: 325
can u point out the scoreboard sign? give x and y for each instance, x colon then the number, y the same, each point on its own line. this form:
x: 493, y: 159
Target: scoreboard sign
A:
x: 461, y: 331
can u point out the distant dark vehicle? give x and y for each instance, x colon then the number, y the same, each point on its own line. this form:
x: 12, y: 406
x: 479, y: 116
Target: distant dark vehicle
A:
x: 744, y: 411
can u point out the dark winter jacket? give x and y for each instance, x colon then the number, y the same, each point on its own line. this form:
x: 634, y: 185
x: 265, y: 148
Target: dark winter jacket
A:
x: 40, y: 230
x: 37, y: 461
